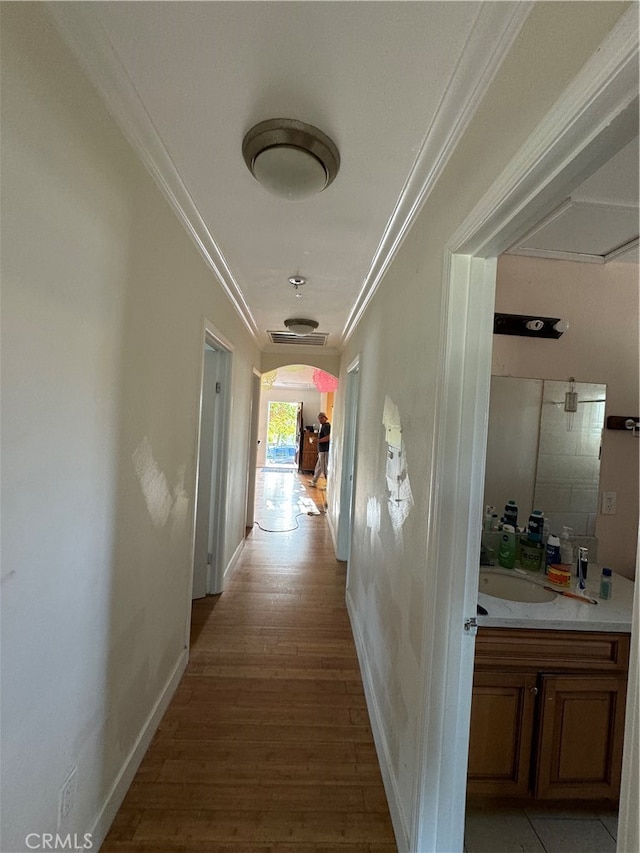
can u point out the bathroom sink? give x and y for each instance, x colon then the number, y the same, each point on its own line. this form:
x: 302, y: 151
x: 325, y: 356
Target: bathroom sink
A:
x: 513, y: 588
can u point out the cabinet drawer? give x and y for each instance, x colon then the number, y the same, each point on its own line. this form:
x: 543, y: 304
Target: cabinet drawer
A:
x: 556, y: 651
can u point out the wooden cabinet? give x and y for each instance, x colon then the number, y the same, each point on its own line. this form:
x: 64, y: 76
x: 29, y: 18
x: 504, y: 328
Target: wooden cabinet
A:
x: 309, y: 452
x: 547, y: 717
x: 579, y: 752
x: 501, y: 732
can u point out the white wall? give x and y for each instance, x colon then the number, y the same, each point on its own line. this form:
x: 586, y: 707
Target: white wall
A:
x: 601, y: 345
x: 310, y: 399
x: 403, y: 642
x: 103, y: 300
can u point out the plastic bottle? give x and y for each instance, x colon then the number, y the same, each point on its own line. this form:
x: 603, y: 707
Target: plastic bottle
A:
x: 536, y: 525
x: 606, y: 584
x: 507, y: 547
x: 581, y: 567
x: 488, y: 515
x: 531, y: 555
x: 553, y: 551
x: 566, y: 549
x: 511, y: 514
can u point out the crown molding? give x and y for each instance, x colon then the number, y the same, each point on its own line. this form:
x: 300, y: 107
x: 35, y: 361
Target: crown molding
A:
x: 555, y: 255
x: 90, y: 45
x: 615, y: 254
x: 497, y: 25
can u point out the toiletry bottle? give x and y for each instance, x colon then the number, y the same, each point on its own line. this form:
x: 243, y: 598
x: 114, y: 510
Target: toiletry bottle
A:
x: 581, y: 567
x: 531, y: 555
x: 553, y: 551
x: 511, y: 514
x: 488, y: 515
x: 605, y: 584
x: 507, y: 547
x: 536, y: 525
x: 566, y: 549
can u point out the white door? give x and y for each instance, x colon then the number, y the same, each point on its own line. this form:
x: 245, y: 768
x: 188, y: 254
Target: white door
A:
x: 253, y: 450
x: 208, y: 552
x: 348, y: 464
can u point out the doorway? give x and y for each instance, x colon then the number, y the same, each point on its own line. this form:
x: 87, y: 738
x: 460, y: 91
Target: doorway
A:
x: 208, y: 551
x: 282, y: 435
x: 253, y: 449
x: 348, y: 464
x: 597, y: 116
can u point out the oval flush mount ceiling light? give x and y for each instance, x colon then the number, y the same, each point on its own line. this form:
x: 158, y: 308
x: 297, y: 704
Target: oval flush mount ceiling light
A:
x: 299, y: 326
x: 290, y: 158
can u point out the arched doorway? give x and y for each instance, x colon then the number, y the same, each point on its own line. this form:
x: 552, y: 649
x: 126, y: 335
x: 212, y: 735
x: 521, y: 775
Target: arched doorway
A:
x: 291, y: 397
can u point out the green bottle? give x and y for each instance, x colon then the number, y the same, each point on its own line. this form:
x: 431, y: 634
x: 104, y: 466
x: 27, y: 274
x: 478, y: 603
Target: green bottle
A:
x: 507, y: 547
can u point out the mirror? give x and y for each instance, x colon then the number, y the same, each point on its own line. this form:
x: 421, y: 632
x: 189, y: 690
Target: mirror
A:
x: 544, y: 455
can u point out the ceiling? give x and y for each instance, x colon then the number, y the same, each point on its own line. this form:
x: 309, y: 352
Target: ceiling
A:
x: 598, y: 222
x: 393, y: 84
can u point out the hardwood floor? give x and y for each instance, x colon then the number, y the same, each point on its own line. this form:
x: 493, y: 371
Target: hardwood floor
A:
x: 266, y: 746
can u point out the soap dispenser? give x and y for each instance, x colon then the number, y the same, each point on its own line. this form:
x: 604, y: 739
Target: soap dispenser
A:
x: 566, y: 549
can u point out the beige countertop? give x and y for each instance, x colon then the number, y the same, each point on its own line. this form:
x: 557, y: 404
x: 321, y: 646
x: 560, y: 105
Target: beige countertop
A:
x: 563, y: 613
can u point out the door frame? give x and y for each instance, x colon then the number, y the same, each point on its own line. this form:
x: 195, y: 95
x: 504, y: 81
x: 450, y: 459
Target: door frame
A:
x: 595, y: 115
x: 298, y: 407
x: 254, y: 422
x: 213, y: 337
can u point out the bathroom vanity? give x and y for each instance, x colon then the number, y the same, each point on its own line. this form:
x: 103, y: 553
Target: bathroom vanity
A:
x: 549, y: 689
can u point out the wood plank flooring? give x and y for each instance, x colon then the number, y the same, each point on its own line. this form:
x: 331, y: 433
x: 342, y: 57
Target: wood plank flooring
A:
x: 266, y: 746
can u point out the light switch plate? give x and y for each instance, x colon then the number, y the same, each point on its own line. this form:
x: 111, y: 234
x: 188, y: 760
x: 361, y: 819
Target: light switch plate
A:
x: 608, y: 503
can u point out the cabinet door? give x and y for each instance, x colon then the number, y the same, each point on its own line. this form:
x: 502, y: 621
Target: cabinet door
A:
x: 309, y: 452
x: 502, y: 713
x: 580, y: 737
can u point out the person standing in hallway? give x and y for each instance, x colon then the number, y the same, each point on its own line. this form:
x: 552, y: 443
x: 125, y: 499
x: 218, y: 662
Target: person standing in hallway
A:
x: 324, y: 439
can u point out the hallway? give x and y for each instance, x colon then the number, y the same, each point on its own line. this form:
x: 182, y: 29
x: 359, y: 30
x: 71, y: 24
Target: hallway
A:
x: 266, y: 746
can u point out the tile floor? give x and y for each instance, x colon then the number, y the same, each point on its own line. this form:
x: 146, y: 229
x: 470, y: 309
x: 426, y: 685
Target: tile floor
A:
x: 539, y: 829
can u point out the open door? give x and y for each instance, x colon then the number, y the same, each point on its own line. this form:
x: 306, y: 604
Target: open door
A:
x: 208, y: 555
x: 253, y: 450
x: 348, y: 464
x: 299, y: 437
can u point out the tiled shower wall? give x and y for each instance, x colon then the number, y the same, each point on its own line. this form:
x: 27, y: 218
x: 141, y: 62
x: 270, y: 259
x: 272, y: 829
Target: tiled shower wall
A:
x: 569, y: 457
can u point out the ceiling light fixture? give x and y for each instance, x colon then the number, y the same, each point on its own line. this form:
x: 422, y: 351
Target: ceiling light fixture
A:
x: 300, y: 326
x: 290, y: 158
x: 297, y: 281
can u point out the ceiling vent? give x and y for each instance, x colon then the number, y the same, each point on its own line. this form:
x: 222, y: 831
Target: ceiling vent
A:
x: 315, y: 339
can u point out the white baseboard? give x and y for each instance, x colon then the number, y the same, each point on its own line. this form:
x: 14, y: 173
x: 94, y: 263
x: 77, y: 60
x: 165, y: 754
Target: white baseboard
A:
x: 234, y: 560
x: 333, y: 532
x: 130, y: 767
x: 388, y: 779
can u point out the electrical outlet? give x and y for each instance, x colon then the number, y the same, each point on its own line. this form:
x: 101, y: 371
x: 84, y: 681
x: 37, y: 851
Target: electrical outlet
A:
x: 608, y: 503
x: 67, y: 796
